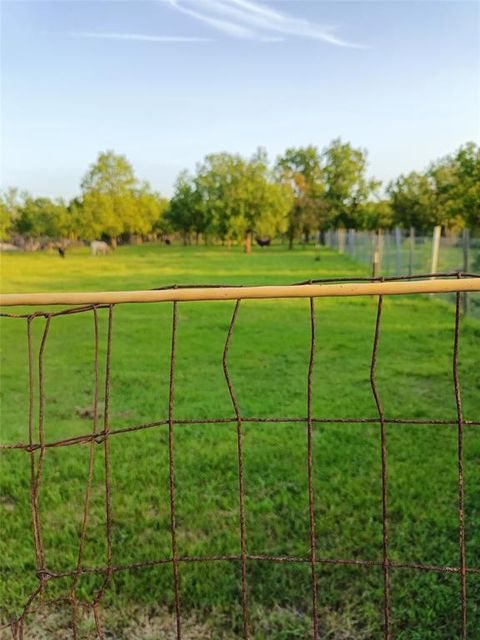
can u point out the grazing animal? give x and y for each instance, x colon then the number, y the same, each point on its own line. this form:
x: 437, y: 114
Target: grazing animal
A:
x: 168, y: 241
x: 98, y: 247
x: 6, y: 246
x: 264, y: 242
x: 61, y: 252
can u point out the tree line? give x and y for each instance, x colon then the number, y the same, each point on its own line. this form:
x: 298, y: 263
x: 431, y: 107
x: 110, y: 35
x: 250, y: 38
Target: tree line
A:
x: 232, y: 199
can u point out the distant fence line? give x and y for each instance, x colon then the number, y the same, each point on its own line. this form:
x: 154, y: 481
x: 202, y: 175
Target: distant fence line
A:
x: 398, y: 252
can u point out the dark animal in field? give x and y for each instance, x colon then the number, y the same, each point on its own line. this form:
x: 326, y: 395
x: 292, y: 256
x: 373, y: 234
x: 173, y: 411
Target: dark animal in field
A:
x: 61, y: 252
x: 168, y: 241
x: 263, y: 242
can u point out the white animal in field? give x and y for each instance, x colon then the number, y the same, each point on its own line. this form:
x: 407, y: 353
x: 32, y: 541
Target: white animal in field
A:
x: 99, y: 248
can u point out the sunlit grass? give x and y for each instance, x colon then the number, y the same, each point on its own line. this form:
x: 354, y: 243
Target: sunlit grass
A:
x: 268, y: 361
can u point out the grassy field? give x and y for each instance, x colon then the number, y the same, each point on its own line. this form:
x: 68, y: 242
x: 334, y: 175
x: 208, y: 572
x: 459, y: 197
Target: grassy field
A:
x: 269, y: 361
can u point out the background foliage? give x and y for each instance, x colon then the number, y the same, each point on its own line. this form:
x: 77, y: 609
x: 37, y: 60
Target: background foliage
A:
x: 231, y: 199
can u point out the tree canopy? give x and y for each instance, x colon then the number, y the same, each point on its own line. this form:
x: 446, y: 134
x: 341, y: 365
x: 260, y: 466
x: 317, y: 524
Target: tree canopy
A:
x: 234, y: 198
x: 114, y: 202
x: 301, y: 169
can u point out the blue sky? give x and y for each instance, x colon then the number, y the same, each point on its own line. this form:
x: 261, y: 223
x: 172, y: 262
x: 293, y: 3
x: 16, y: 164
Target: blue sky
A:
x: 167, y: 81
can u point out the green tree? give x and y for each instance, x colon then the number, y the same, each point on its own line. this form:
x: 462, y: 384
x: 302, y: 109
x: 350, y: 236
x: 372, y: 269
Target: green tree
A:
x: 266, y: 202
x: 114, y: 202
x: 187, y: 211
x: 456, y: 182
x: 375, y: 214
x: 11, y: 202
x: 6, y: 222
x: 347, y: 188
x: 217, y: 184
x: 50, y: 218
x: 446, y: 204
x: 145, y: 213
x: 241, y: 197
x: 300, y: 168
x: 74, y: 209
x: 412, y: 200
x: 107, y: 197
x: 154, y: 207
x: 29, y: 217
x: 468, y: 171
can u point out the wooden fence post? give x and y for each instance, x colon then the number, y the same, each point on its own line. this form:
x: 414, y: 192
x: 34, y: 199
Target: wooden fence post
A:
x: 411, y: 245
x: 466, y: 265
x: 398, y: 244
x: 437, y: 231
x: 377, y: 255
x: 386, y: 252
x: 351, y: 242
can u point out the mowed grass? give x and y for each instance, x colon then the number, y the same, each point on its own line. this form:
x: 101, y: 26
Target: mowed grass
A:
x: 269, y: 365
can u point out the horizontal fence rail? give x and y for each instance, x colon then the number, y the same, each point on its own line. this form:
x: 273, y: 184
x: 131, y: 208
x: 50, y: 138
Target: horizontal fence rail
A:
x: 37, y: 445
x: 315, y: 289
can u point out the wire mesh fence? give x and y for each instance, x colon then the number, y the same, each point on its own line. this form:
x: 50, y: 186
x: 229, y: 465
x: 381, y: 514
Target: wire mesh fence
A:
x: 98, y: 440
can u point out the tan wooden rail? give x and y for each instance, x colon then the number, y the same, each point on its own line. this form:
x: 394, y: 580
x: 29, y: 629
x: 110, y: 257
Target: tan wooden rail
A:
x: 234, y: 293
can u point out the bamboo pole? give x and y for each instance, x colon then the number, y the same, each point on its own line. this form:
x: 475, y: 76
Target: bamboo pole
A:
x: 245, y: 293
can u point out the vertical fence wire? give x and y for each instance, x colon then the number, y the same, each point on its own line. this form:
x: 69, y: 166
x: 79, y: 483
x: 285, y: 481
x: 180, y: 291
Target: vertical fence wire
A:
x: 461, y: 478
x: 107, y: 482
x: 241, y: 481
x: 88, y: 488
x: 40, y: 549
x: 171, y: 474
x: 311, y: 501
x: 383, y: 447
x: 241, y: 484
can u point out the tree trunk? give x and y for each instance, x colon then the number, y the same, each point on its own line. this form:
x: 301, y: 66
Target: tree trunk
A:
x: 248, y: 242
x: 290, y: 239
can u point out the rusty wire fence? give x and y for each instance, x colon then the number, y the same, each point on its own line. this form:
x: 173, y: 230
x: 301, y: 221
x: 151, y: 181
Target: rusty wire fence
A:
x: 101, y: 433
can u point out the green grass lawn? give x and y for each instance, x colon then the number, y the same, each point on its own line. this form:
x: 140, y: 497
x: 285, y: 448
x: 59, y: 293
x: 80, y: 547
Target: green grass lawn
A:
x: 269, y: 364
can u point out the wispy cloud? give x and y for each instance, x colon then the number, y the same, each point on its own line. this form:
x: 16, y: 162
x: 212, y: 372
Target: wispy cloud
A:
x: 139, y: 37
x: 249, y: 19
